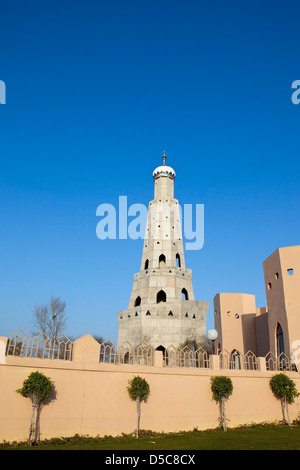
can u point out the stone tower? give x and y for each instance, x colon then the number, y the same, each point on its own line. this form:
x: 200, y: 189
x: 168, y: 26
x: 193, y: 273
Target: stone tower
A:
x: 162, y: 310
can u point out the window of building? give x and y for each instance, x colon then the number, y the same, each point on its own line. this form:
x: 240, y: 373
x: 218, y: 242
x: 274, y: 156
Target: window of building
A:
x: 137, y: 301
x: 290, y: 271
x: 162, y: 261
x: 161, y: 297
x: 276, y: 276
x: 146, y: 264
x: 269, y: 286
x: 178, y: 260
x: 185, y: 295
x: 148, y: 312
x: 279, y: 340
x: 170, y: 314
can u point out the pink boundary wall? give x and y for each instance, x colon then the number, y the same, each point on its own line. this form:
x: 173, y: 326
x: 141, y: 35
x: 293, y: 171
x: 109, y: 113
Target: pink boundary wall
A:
x: 91, y: 398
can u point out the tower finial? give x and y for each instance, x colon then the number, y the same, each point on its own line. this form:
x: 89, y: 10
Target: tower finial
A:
x: 164, y: 157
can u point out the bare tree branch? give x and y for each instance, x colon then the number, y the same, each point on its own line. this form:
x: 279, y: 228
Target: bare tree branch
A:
x: 50, y: 319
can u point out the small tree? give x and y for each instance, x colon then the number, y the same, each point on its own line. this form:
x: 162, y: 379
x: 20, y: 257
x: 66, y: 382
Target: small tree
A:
x: 195, y: 342
x: 221, y: 388
x: 50, y: 319
x: 284, y: 388
x: 138, y: 390
x: 37, y: 387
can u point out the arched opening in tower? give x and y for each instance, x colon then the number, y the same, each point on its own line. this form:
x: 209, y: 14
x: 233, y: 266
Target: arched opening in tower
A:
x: 185, y: 295
x: 161, y: 297
x: 137, y: 301
x: 164, y: 353
x: 162, y: 261
x: 178, y: 261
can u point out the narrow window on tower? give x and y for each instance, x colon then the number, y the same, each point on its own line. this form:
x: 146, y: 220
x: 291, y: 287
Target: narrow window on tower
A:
x: 146, y: 264
x: 185, y: 295
x: 279, y: 339
x: 137, y: 301
x: 162, y: 261
x: 178, y: 261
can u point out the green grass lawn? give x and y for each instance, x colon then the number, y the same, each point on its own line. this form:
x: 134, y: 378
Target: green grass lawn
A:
x: 256, y: 438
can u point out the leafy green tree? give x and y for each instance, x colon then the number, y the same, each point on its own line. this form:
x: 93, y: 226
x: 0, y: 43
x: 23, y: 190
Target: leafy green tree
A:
x: 284, y: 388
x: 138, y: 390
x: 221, y: 388
x: 37, y: 387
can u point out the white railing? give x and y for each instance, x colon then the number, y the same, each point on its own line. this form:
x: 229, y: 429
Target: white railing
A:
x: 40, y: 346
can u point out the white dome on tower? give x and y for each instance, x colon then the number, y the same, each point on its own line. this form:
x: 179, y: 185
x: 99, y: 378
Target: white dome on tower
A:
x: 164, y: 170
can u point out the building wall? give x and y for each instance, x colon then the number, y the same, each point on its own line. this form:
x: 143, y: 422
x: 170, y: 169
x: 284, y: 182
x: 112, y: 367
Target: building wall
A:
x: 163, y: 324
x: 275, y: 300
x: 262, y: 332
x: 283, y: 295
x: 91, y: 397
x: 234, y: 321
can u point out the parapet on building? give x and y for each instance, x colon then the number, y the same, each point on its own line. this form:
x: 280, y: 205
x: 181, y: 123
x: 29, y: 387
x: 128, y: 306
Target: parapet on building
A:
x: 162, y: 310
x: 276, y: 328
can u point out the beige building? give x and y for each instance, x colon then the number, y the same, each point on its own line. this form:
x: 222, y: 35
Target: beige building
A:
x: 276, y: 328
x: 162, y: 309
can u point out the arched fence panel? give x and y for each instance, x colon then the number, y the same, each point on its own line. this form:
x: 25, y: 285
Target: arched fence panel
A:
x: 40, y: 346
x: 279, y: 363
x: 185, y: 357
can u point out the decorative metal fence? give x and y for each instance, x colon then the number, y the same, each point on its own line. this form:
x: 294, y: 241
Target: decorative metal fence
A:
x: 235, y: 360
x: 107, y: 352
x: 126, y: 354
x: 185, y: 357
x: 249, y: 361
x: 279, y: 363
x: 40, y: 346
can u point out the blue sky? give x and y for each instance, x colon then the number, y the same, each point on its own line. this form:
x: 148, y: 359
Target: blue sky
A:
x: 96, y: 90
